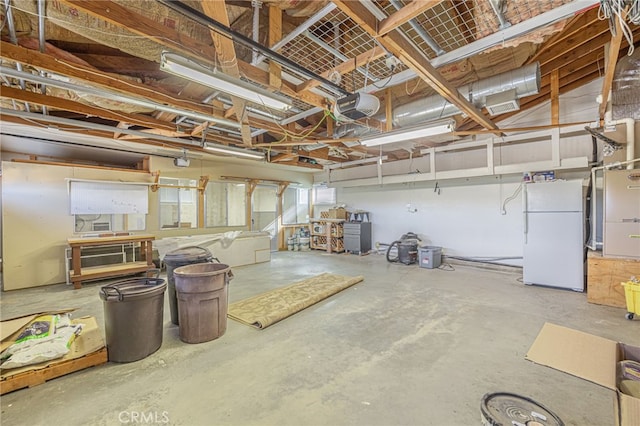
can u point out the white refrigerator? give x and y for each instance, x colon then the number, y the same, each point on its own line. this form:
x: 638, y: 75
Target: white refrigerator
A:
x: 554, y: 234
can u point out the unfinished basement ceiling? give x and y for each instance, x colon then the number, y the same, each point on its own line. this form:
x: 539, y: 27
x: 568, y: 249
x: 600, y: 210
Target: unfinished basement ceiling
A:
x: 94, y: 67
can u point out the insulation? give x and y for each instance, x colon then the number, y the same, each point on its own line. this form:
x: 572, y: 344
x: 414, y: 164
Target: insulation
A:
x: 625, y: 94
x: 514, y: 12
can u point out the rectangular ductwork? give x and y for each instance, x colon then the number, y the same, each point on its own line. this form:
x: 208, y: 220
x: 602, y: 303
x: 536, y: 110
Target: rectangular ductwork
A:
x: 503, y: 102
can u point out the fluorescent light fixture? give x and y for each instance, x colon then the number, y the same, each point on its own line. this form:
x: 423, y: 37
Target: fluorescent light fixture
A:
x: 408, y: 134
x: 186, y: 68
x: 236, y: 152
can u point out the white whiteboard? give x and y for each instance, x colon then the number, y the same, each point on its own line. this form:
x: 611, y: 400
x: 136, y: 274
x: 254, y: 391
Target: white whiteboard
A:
x: 107, y: 198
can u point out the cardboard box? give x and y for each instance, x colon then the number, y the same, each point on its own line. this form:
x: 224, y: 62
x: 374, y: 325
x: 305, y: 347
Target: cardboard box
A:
x: 338, y: 213
x: 591, y: 358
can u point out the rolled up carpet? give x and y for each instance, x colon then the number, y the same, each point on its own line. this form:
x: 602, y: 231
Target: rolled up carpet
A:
x: 268, y: 308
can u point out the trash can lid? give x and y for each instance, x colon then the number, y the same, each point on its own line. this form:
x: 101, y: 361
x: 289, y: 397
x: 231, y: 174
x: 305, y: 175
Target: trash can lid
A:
x: 191, y: 253
x: 132, y: 289
x: 202, y: 269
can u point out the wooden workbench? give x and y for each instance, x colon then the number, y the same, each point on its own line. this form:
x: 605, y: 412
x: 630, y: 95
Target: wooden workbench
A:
x: 78, y: 273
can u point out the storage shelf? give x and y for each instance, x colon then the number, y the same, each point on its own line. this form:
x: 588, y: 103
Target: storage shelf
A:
x: 332, y: 239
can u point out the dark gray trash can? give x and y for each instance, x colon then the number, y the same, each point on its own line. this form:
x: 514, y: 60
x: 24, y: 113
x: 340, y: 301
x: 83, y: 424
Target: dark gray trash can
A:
x: 175, y: 259
x: 133, y: 315
x: 203, y: 300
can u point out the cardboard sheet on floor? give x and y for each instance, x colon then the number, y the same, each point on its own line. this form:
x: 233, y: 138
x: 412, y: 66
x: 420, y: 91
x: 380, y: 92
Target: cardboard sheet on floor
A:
x: 89, y: 341
x: 588, y: 357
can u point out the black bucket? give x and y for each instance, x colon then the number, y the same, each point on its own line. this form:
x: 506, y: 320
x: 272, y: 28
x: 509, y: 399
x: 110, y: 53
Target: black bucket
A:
x: 133, y: 315
x: 182, y: 257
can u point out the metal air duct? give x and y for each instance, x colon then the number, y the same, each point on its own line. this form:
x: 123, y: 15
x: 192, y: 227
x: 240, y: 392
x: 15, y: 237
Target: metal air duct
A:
x: 525, y: 81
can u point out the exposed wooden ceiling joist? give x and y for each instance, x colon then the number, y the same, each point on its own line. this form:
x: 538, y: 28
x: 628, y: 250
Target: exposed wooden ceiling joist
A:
x: 226, y: 58
x: 395, y: 43
x: 404, y: 15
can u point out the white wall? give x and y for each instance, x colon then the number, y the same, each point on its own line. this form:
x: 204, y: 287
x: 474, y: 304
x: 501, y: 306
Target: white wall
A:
x: 36, y: 219
x: 465, y: 217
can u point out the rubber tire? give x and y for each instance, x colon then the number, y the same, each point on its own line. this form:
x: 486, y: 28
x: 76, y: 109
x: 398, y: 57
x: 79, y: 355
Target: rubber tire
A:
x: 629, y: 315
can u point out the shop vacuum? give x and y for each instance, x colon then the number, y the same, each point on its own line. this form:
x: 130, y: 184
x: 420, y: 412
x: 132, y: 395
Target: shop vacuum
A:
x: 407, y: 247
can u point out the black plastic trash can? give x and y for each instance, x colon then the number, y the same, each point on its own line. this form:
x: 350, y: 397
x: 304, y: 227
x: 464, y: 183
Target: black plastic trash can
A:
x: 175, y: 259
x: 133, y: 315
x: 203, y: 300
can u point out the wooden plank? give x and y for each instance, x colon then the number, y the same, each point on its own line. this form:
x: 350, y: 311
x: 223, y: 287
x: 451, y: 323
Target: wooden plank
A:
x: 555, y: 97
x: 82, y: 166
x: 104, y: 270
x: 94, y: 77
x: 610, y: 64
x: 395, y: 43
x: 32, y: 378
x: 345, y: 67
x: 227, y: 60
x: 407, y: 13
x: 604, y: 275
x: 117, y: 14
x: 388, y: 110
x: 553, y: 49
x: 102, y: 241
x: 275, y: 35
x: 77, y: 107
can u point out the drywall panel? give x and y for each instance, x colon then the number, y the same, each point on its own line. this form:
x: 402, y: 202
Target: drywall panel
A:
x: 464, y: 217
x: 36, y: 223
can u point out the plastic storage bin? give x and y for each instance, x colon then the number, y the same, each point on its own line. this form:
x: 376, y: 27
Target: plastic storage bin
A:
x: 203, y: 300
x: 177, y: 258
x: 429, y: 257
x: 632, y: 297
x: 133, y: 314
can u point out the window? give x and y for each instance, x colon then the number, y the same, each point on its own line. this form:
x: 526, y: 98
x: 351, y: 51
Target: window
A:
x: 179, y: 205
x: 324, y: 195
x: 295, y: 206
x: 226, y: 204
x: 109, y: 222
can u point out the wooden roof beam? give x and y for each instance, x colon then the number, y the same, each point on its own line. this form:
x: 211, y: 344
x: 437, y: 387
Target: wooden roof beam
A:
x: 346, y: 67
x: 610, y: 64
x: 404, y: 15
x: 395, y: 43
x: 116, y: 14
x: 86, y: 110
x: 226, y: 55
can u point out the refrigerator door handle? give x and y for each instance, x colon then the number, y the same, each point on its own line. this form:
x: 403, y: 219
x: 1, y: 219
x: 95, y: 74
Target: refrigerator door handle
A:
x: 525, y: 209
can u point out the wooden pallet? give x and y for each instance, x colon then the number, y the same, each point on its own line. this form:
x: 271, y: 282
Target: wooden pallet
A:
x: 32, y: 378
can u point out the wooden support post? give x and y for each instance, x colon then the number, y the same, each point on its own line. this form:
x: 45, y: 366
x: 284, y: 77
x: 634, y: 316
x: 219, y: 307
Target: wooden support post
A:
x: 555, y: 97
x: 156, y: 180
x: 202, y: 186
x: 275, y: 34
x: 279, y: 198
x: 388, y: 110
x: 251, y: 186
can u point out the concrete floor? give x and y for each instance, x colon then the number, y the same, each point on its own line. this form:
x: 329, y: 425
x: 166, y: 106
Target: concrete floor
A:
x: 408, y: 346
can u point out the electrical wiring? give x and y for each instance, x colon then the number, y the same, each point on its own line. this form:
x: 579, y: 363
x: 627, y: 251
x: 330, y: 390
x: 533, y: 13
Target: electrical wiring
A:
x: 406, y: 87
x: 511, y: 198
x: 617, y: 11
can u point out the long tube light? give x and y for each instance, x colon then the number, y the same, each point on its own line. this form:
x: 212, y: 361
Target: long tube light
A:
x: 407, y: 134
x: 186, y: 68
x: 236, y: 152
